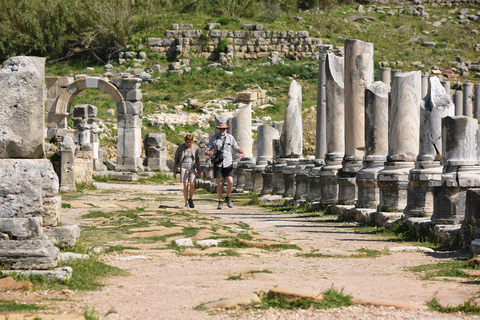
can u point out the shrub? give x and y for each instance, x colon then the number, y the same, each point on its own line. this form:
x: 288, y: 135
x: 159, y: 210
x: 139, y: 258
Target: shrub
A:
x: 222, y: 46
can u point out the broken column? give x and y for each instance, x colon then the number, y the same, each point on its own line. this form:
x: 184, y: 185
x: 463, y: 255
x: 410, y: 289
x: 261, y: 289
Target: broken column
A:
x: 458, y: 102
x: 265, y: 136
x: 29, y: 197
x: 428, y: 171
x: 335, y: 129
x: 376, y: 144
x: 67, y: 165
x: 155, y: 145
x: 385, y: 75
x: 403, y: 141
x: 476, y: 101
x: 291, y: 139
x: 242, y: 131
x: 359, y: 74
x: 461, y: 171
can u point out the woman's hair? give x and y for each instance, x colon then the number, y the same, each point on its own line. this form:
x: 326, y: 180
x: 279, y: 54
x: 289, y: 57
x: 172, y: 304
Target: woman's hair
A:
x: 188, y: 137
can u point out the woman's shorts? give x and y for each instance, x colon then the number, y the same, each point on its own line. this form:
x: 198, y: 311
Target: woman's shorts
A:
x: 187, y: 175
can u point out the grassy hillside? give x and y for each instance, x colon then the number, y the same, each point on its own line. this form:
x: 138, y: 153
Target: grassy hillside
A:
x: 397, y: 36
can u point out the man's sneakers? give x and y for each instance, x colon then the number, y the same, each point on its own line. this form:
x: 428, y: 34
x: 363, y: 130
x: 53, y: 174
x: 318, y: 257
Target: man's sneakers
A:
x: 220, y: 205
x: 229, y: 202
x: 190, y: 203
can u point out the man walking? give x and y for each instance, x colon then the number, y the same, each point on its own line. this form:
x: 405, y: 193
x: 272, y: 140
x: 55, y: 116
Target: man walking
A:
x: 223, y: 144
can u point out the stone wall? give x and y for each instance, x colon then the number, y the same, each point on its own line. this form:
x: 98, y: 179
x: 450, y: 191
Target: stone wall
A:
x: 251, y: 43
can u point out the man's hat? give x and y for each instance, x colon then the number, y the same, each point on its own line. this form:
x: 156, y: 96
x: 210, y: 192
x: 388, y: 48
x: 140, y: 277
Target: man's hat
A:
x: 222, y: 125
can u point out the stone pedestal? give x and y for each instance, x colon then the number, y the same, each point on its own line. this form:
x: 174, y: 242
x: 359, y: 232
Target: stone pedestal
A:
x: 278, y: 182
x: 289, y: 173
x: 328, y: 180
x: 267, y: 177
x: 367, y: 184
x: 314, y: 183
x: 393, y: 182
x: 244, y: 174
x: 265, y: 136
x: 301, y: 178
x: 423, y: 179
x: 461, y: 170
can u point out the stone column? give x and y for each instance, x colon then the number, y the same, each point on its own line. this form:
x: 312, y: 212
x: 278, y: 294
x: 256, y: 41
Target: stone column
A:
x: 129, y: 118
x: 476, y: 101
x: 359, y: 74
x: 67, y: 174
x: 396, y: 73
x: 403, y: 141
x: 242, y: 132
x: 278, y: 182
x: 446, y: 86
x: 428, y: 172
x: 385, y: 75
x: 376, y: 144
x: 335, y: 129
x: 321, y: 145
x: 461, y: 170
x: 458, y: 102
x: 265, y: 136
x: 291, y: 139
x: 467, y: 100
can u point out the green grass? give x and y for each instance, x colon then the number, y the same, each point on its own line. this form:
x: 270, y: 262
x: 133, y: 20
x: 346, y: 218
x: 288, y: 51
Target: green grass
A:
x: 468, y: 307
x: 12, y: 306
x: 443, y: 269
x: 236, y: 277
x: 332, y: 299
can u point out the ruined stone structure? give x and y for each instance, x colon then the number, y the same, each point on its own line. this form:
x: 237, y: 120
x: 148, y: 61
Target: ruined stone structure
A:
x: 155, y: 145
x: 29, y: 204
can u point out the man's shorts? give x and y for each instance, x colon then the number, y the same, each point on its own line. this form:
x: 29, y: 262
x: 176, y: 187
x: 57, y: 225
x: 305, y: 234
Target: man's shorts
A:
x: 187, y: 175
x: 219, y: 172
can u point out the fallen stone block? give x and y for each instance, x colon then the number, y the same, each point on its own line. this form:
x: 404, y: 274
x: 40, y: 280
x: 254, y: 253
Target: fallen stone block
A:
x: 389, y: 303
x: 28, y: 254
x: 10, y: 284
x: 208, y: 243
x: 63, y: 235
x: 186, y: 242
x: 234, y: 303
x: 71, y: 256
x: 61, y: 274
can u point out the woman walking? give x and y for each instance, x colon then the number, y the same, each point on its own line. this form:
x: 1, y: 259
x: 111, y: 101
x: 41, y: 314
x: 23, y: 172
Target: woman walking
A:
x: 186, y: 159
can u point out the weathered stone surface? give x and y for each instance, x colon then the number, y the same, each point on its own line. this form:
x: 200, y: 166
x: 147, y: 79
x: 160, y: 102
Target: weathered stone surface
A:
x: 9, y: 284
x: 23, y: 185
x: 358, y: 76
x: 459, y: 141
x: 186, y: 242
x: 291, y: 138
x: 234, y: 303
x: 404, y: 117
x: 208, y: 243
x: 28, y: 254
x: 22, y: 103
x: 467, y: 99
x: 437, y: 106
x: 265, y: 136
x: 67, y: 165
x: 67, y: 234
x: 64, y: 257
x: 61, y: 274
x: 321, y: 127
x: 21, y: 228
x: 242, y: 131
x: 335, y: 107
x: 458, y: 101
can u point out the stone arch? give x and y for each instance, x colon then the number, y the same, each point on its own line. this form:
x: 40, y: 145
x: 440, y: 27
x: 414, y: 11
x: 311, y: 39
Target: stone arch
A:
x: 127, y: 95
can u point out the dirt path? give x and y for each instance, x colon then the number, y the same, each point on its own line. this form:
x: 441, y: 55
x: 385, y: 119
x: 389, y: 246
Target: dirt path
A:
x: 165, y: 285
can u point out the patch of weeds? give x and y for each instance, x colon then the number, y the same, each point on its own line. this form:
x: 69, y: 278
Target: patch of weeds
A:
x: 367, y: 253
x: 82, y: 187
x: 70, y: 196
x: 242, y: 225
x: 468, y: 307
x: 236, y: 277
x: 234, y: 243
x: 167, y: 223
x: 263, y: 271
x: 228, y: 253
x: 12, y: 306
x: 97, y: 214
x: 190, y: 231
x: 244, y: 236
x: 66, y: 206
x: 332, y: 298
x: 316, y: 255
x: 118, y: 249
x: 91, y: 314
x: 281, y: 246
x: 443, y: 269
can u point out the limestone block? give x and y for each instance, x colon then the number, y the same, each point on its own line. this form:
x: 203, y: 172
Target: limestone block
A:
x: 132, y: 108
x: 156, y: 140
x: 291, y: 138
x: 22, y: 228
x: 22, y: 102
x: 28, y: 254
x: 51, y: 208
x: 459, y: 141
x: 83, y: 173
x: 247, y: 96
x: 129, y: 143
x: 129, y: 121
x: 61, y: 274
x: 66, y: 234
